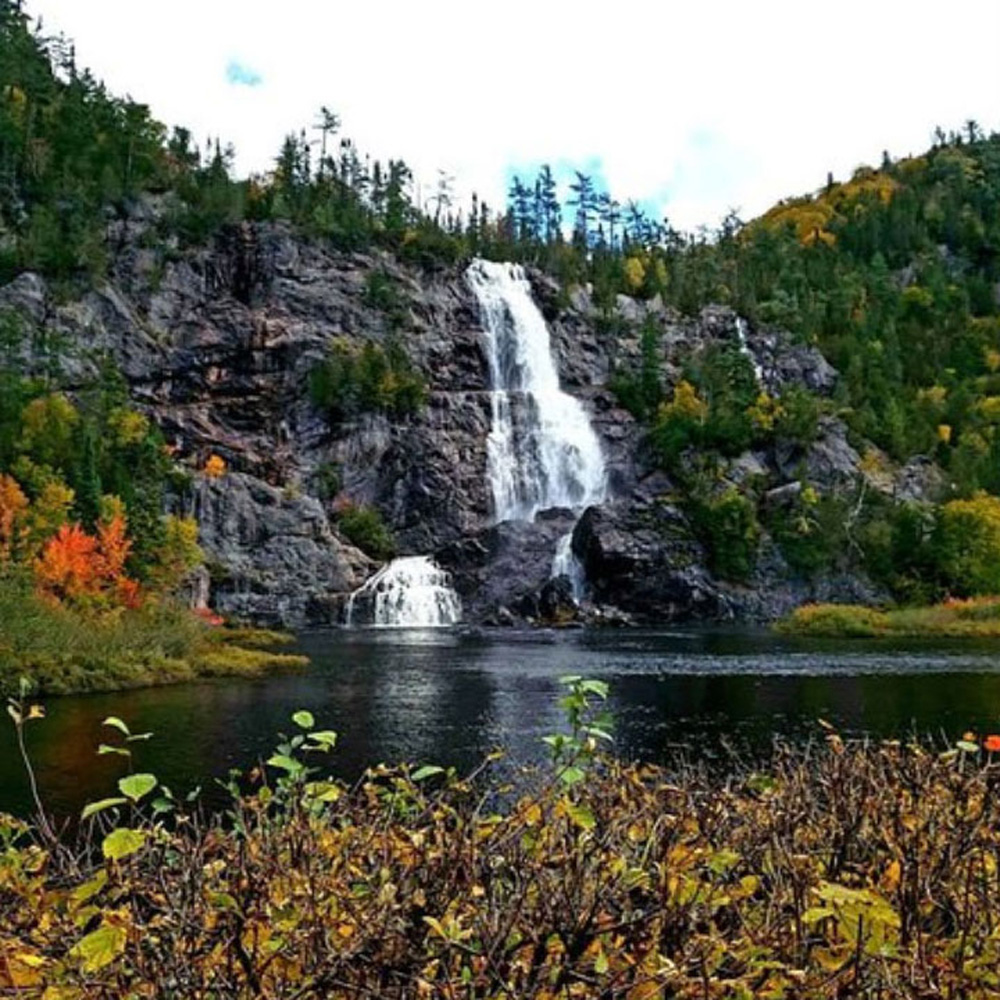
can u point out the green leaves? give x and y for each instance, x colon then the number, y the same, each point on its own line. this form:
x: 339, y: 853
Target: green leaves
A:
x: 304, y: 719
x: 116, y: 723
x: 587, y: 722
x: 425, y: 772
x: 286, y: 763
x: 135, y: 786
x: 92, y: 808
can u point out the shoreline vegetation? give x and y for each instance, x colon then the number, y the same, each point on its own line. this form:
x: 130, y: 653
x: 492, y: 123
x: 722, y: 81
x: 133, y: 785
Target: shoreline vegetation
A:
x: 977, y: 617
x: 60, y: 650
x: 838, y: 869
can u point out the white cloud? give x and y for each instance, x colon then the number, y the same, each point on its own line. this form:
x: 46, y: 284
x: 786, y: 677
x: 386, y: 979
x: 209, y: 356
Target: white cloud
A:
x: 711, y: 105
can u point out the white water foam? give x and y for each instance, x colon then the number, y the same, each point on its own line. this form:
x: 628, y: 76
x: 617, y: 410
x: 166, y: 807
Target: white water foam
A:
x: 412, y: 592
x: 542, y: 451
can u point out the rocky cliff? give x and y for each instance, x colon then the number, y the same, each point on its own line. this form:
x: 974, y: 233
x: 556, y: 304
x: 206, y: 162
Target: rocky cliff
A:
x: 217, y: 346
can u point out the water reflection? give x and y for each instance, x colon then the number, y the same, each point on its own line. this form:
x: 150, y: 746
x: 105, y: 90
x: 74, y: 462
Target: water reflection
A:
x: 449, y: 697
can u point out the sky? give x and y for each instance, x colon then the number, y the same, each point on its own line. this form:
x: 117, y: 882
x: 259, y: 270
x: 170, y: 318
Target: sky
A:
x: 692, y: 108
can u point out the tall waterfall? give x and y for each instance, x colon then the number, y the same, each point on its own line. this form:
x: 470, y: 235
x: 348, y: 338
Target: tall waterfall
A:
x: 542, y: 451
x: 412, y: 592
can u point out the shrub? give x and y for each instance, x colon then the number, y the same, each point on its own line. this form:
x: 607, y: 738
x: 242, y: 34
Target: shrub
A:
x: 370, y: 379
x: 967, y: 545
x: 679, y: 424
x: 365, y: 528
x: 848, y: 620
x: 634, y: 882
x: 728, y: 527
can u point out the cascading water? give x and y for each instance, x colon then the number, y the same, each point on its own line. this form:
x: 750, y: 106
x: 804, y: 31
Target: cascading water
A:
x: 542, y: 451
x: 565, y: 563
x: 746, y: 351
x: 412, y: 592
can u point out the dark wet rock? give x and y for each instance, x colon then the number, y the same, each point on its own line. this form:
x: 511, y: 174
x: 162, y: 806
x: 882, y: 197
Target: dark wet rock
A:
x: 646, y: 560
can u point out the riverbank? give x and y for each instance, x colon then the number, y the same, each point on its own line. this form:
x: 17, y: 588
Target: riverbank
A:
x: 844, y: 869
x: 63, y: 651
x: 977, y: 617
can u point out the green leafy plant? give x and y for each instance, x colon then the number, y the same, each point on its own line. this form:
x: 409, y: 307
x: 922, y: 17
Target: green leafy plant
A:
x: 589, y: 726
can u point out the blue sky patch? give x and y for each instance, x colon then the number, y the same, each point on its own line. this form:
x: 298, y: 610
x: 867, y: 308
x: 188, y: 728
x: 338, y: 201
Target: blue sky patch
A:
x: 241, y: 75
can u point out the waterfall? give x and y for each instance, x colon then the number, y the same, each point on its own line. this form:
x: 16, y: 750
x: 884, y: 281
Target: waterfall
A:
x: 412, y: 592
x: 542, y: 451
x: 565, y: 563
x: 746, y: 351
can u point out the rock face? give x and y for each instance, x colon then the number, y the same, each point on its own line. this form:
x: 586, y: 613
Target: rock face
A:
x: 217, y: 346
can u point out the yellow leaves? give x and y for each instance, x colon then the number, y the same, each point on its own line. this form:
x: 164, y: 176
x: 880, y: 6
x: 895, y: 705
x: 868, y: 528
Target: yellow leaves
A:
x: 635, y: 273
x: 449, y: 928
x: 989, y: 409
x: 853, y: 913
x: 13, y: 505
x: 765, y: 412
x: 122, y: 842
x: 891, y: 876
x: 944, y: 433
x: 933, y: 397
x: 533, y: 814
x: 47, y: 424
x: 685, y: 404
x: 128, y: 427
x: 811, y: 218
x: 100, y: 947
x: 20, y: 969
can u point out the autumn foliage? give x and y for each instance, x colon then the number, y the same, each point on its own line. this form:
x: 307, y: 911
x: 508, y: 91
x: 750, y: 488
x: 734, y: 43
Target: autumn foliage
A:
x: 81, y: 568
x: 857, y: 871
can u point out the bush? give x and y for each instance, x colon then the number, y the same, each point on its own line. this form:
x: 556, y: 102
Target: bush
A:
x: 728, y: 527
x: 811, y: 532
x: 365, y: 528
x: 633, y: 883
x: 967, y: 545
x: 835, y: 620
x: 369, y: 379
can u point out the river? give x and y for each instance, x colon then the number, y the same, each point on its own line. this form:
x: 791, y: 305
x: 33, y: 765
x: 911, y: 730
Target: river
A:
x: 450, y: 696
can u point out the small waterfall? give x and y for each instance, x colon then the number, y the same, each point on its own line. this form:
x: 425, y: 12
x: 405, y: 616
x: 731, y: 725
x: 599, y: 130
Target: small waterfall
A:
x: 746, y: 351
x: 565, y: 563
x: 412, y: 592
x: 542, y: 451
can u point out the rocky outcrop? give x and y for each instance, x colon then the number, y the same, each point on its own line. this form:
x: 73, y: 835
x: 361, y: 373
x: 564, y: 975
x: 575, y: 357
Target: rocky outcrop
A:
x: 217, y: 346
x: 272, y: 556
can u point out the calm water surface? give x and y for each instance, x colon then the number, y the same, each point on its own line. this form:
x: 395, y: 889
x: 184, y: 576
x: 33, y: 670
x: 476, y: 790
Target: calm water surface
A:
x: 448, y: 697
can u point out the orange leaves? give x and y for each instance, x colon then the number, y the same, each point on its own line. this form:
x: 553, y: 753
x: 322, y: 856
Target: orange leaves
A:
x: 13, y: 505
x: 82, y: 568
x: 67, y: 568
x: 113, y: 546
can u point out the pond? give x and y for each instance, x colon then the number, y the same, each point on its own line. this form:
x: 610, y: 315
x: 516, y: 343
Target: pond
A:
x: 450, y: 696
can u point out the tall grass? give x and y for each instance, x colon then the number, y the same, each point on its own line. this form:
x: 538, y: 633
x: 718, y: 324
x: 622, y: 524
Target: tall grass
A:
x: 61, y: 650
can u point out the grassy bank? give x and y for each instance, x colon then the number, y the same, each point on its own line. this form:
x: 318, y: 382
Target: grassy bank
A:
x: 844, y: 870
x: 978, y: 616
x: 62, y: 651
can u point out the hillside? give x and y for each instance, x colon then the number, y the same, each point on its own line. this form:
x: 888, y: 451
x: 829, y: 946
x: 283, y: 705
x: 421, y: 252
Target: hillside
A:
x: 800, y: 407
